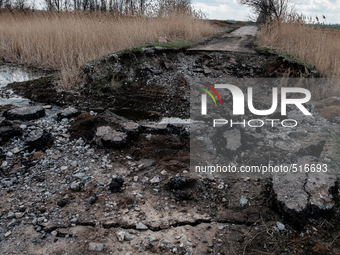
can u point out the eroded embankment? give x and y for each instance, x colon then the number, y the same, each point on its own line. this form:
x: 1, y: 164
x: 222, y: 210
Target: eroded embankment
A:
x: 69, y: 196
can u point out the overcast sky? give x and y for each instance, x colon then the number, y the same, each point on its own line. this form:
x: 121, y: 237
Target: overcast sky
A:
x: 230, y: 9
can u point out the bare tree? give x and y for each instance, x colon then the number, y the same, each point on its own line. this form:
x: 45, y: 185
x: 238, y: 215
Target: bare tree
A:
x: 268, y: 10
x: 49, y: 5
x: 58, y: 4
x: 66, y: 5
x: 103, y: 6
x: 7, y: 4
x: 20, y: 4
x: 142, y: 6
x: 85, y: 4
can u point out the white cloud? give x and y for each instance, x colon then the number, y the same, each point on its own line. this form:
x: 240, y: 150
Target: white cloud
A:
x: 313, y: 8
x: 222, y: 9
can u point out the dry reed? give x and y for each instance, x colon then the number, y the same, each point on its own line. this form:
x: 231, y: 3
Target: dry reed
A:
x: 317, y: 45
x: 66, y: 40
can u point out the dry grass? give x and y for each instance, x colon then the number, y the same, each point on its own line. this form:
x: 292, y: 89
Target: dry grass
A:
x: 316, y: 45
x: 64, y: 41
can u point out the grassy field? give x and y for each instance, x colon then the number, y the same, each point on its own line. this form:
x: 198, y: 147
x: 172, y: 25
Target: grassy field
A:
x: 316, y: 45
x: 66, y: 40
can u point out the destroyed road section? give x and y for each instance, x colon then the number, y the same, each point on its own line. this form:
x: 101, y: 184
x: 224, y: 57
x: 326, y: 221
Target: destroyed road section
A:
x: 299, y: 195
x: 102, y: 184
x: 67, y: 197
x: 63, y: 197
x: 236, y: 41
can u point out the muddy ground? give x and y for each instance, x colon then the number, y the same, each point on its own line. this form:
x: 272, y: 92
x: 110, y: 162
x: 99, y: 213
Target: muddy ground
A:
x: 44, y: 212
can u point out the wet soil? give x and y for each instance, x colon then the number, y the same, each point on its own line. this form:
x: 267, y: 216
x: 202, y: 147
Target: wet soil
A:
x: 143, y: 82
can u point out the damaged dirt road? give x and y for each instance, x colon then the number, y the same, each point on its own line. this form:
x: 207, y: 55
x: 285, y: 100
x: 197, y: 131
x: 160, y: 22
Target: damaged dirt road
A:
x: 112, y: 185
x: 236, y: 41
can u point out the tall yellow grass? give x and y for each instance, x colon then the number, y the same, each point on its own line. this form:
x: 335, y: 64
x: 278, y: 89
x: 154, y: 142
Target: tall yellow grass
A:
x: 64, y: 41
x: 316, y: 45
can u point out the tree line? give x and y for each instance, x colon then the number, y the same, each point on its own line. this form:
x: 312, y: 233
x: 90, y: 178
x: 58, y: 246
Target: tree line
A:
x: 113, y: 6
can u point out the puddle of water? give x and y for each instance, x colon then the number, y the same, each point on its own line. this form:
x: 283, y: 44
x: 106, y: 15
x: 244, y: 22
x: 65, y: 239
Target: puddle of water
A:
x: 174, y: 120
x: 9, y: 74
x: 137, y: 115
x: 144, y: 117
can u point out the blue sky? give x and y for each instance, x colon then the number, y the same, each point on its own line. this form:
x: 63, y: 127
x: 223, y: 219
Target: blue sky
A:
x: 230, y: 9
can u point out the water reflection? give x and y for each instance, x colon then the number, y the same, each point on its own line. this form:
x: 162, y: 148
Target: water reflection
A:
x: 9, y: 74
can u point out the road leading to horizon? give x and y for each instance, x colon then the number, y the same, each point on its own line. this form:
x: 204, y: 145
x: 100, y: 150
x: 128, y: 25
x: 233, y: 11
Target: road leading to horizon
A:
x: 236, y: 41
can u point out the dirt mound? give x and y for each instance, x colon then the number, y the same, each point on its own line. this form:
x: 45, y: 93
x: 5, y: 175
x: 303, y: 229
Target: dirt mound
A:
x: 330, y: 112
x: 85, y: 125
x: 218, y: 23
x: 240, y: 23
x: 282, y: 67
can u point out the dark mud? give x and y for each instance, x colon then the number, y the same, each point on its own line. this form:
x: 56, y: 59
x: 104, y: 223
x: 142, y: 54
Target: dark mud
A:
x: 153, y: 82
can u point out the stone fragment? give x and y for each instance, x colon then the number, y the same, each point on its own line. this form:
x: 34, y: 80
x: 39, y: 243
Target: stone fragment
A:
x: 106, y: 136
x: 7, y: 234
x: 4, y: 122
x: 12, y: 223
x: 233, y: 139
x: 39, y: 140
x: 167, y: 65
x: 148, y: 50
x: 68, y: 113
x: 280, y: 226
x: 127, y: 237
x: 154, y: 128
x: 206, y: 70
x: 141, y: 226
x: 116, y: 185
x: 120, y: 235
x: 221, y: 227
x: 25, y: 113
x: 178, y: 182
x: 198, y: 70
x: 75, y: 186
x: 91, y: 200
x: 16, y: 150
x: 312, y: 150
x: 304, y: 195
x: 78, y: 175
x: 38, y: 155
x: 145, y: 180
x: 132, y: 129
x: 155, y: 180
x: 11, y: 215
x: 96, y: 246
x: 7, y: 132
x: 62, y: 202
x: 19, y: 215
x: 243, y: 200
